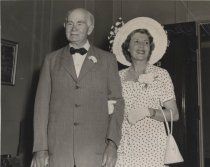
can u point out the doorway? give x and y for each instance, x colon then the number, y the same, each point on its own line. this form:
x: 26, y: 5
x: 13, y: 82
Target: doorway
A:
x: 204, y: 91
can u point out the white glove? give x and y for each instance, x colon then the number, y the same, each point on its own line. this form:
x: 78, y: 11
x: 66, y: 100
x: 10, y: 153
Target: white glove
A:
x: 137, y: 115
x: 111, y: 106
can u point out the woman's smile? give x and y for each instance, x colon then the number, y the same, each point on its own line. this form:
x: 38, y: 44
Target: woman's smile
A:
x: 138, y: 51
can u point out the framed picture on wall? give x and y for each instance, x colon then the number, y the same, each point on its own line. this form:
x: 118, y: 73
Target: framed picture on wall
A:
x: 9, y: 51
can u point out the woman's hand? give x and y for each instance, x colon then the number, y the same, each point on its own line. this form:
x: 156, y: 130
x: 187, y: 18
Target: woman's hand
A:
x: 111, y: 104
x: 137, y: 115
x: 169, y: 105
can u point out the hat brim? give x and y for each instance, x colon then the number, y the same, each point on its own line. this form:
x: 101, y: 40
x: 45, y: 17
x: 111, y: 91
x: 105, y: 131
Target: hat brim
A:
x: 155, y: 29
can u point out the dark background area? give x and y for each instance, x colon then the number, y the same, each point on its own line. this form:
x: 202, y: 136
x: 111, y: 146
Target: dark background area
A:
x: 37, y: 26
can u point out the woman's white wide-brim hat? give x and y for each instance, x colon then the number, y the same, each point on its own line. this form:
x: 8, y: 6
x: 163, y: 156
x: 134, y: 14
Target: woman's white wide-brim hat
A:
x: 155, y: 29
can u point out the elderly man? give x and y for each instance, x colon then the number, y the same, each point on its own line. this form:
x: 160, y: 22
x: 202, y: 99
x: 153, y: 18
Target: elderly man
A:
x: 72, y: 126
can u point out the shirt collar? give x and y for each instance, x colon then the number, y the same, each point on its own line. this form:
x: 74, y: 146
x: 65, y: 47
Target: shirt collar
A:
x: 86, y: 45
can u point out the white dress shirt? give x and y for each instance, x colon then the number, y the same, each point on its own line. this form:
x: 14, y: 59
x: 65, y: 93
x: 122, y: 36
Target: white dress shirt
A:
x: 79, y: 59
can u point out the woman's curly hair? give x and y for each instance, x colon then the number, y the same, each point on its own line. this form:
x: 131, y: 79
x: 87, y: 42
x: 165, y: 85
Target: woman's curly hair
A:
x: 125, y: 44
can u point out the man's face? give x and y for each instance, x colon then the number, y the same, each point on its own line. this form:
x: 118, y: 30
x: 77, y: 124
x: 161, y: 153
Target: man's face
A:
x: 78, y: 27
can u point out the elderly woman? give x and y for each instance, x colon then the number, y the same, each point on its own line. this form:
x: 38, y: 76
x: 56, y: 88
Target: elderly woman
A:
x: 139, y: 44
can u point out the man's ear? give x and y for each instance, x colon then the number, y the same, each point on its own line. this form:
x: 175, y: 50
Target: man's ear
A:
x: 90, y: 29
x: 64, y: 25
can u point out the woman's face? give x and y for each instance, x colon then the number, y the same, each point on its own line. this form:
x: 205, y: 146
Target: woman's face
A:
x: 139, y: 47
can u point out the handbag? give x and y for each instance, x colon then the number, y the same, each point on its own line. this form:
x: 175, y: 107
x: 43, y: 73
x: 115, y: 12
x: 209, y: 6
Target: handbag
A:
x: 172, y: 153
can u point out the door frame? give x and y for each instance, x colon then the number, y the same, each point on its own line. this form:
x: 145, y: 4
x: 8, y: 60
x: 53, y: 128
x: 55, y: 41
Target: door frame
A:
x: 200, y: 95
x: 200, y: 106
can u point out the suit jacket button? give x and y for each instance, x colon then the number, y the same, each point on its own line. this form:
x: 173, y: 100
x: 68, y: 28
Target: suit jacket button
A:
x: 77, y: 87
x: 76, y: 123
x: 77, y: 105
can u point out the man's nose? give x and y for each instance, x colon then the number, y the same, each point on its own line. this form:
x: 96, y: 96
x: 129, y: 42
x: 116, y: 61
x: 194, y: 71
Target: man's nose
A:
x: 74, y: 27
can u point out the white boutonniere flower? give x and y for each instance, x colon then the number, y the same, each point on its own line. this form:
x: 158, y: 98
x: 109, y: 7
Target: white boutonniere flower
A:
x: 147, y: 79
x: 93, y: 58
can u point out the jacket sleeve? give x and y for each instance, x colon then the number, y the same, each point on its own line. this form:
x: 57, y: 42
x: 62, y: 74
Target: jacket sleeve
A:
x: 115, y: 93
x: 41, y: 108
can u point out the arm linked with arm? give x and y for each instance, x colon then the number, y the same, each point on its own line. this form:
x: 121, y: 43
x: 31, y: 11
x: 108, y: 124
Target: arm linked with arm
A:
x: 115, y: 93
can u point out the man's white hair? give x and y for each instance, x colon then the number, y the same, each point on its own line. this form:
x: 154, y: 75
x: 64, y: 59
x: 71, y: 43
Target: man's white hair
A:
x: 91, y: 20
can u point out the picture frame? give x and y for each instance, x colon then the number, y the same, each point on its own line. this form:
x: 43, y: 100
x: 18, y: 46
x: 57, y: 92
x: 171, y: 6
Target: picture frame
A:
x: 9, y: 51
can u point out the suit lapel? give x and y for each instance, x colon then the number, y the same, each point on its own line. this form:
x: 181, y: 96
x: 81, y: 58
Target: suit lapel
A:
x: 68, y: 64
x: 88, y: 63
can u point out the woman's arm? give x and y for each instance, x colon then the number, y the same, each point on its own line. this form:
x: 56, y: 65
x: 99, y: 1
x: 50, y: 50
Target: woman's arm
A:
x: 167, y: 106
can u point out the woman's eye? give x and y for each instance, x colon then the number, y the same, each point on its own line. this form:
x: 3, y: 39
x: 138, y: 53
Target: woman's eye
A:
x: 146, y: 43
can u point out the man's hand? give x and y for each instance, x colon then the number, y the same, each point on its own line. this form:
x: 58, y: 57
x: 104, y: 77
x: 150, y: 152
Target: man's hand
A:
x: 110, y: 155
x: 40, y: 159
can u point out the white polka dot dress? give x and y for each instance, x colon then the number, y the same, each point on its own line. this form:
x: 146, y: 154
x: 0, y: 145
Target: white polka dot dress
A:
x: 143, y: 144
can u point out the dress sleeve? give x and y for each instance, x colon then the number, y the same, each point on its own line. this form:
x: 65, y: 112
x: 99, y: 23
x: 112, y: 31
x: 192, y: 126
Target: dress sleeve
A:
x: 167, y: 87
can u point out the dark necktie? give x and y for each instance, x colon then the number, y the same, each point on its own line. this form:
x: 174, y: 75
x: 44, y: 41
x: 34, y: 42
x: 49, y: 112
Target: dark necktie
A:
x: 81, y: 51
